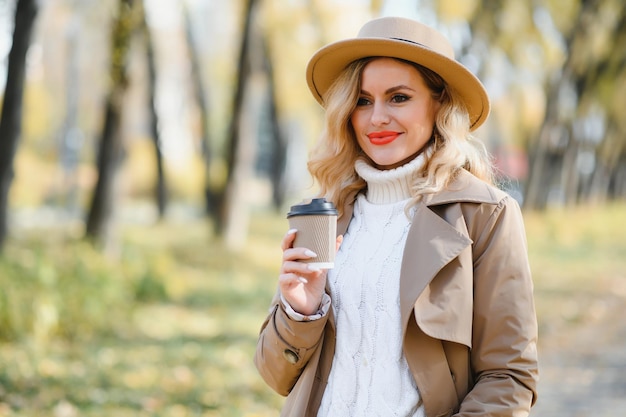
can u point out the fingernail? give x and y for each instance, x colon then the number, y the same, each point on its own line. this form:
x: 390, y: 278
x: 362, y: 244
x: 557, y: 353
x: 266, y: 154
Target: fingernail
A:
x: 310, y: 253
x: 291, y: 231
x: 313, y: 268
x: 303, y: 280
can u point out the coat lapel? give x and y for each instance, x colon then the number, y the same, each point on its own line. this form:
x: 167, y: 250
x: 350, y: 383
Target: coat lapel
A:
x: 431, y: 244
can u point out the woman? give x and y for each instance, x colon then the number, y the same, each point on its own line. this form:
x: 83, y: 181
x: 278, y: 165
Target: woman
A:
x: 429, y: 310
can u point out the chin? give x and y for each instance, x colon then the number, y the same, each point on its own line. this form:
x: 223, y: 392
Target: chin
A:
x: 385, y: 160
x: 386, y: 164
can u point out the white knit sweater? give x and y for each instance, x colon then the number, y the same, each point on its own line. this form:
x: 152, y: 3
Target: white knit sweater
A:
x: 369, y: 375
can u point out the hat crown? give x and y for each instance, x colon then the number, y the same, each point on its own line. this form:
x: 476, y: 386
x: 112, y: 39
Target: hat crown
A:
x: 402, y: 29
x: 405, y: 39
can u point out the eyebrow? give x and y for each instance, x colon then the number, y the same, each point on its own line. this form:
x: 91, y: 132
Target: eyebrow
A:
x: 392, y: 89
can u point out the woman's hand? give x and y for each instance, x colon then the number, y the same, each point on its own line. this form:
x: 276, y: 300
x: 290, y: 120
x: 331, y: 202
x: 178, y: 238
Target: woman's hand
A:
x: 301, y: 285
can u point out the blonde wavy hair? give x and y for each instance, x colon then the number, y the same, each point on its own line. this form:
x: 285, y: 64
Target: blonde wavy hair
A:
x: 450, y: 149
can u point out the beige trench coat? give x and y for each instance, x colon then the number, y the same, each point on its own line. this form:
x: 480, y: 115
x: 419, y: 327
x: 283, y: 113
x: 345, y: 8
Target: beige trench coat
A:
x: 467, y: 309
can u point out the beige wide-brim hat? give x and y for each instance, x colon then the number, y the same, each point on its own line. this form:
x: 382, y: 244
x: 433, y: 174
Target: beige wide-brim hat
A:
x: 406, y: 39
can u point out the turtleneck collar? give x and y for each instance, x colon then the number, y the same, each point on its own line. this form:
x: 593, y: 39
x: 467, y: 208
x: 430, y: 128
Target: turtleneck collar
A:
x: 389, y: 186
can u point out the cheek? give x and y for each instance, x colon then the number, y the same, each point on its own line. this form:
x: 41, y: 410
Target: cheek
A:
x: 355, y: 119
x: 434, y: 110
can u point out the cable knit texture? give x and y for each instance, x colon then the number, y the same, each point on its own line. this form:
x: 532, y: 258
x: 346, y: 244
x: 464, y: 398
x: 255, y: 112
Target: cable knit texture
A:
x: 369, y: 375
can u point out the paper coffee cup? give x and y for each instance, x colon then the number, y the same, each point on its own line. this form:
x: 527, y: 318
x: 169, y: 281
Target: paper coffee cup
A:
x: 316, y: 222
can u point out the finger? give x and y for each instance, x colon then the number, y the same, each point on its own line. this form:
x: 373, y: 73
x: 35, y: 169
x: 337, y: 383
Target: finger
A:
x: 292, y: 279
x: 300, y: 268
x: 293, y: 254
x: 288, y: 239
x: 289, y: 280
x: 339, y: 242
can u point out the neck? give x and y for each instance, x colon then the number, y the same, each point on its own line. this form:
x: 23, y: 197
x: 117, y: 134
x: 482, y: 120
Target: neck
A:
x: 389, y: 185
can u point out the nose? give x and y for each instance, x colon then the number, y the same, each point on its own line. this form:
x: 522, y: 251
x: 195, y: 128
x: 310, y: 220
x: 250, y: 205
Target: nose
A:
x: 380, y: 114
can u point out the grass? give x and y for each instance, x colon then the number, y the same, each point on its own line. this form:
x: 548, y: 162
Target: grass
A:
x: 167, y: 326
x: 578, y: 258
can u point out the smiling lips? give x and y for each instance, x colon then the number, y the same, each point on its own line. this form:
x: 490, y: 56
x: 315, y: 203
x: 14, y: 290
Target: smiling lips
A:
x: 382, y: 137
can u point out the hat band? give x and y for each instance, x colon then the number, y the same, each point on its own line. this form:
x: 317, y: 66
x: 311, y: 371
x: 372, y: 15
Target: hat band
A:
x: 416, y: 43
x: 413, y: 42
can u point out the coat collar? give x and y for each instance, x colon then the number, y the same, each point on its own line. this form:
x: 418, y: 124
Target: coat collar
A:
x: 465, y: 187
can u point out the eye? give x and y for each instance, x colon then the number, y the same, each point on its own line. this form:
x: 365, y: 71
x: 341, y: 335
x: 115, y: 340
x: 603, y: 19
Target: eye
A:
x: 399, y: 98
x: 362, y: 101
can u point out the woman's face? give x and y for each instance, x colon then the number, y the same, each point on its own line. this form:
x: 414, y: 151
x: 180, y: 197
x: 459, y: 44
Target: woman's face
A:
x: 395, y: 114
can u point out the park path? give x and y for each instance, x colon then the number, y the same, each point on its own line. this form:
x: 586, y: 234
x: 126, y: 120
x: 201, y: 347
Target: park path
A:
x: 583, y: 369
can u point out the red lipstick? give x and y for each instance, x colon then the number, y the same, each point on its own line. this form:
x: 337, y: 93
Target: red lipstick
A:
x: 382, y: 137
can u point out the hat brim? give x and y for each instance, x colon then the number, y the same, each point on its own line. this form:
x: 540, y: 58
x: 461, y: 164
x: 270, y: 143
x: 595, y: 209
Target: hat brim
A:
x: 327, y: 63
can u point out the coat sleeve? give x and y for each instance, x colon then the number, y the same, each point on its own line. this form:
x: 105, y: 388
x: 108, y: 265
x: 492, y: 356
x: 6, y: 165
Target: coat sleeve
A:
x: 504, y: 337
x: 285, y: 346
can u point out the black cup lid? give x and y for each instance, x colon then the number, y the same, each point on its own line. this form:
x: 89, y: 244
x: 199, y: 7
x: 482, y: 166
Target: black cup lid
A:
x: 317, y: 206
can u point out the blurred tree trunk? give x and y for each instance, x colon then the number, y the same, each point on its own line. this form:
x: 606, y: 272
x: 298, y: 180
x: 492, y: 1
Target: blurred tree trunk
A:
x: 161, y: 187
x: 610, y: 87
x: 242, y: 136
x: 71, y: 137
x: 279, y: 144
x: 225, y: 197
x: 11, y: 119
x: 593, y: 78
x: 537, y: 188
x: 618, y: 179
x: 570, y: 180
x: 603, y: 179
x: 110, y: 149
x: 201, y: 92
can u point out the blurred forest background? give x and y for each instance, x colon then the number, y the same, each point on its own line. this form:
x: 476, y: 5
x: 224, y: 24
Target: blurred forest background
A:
x: 149, y: 150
